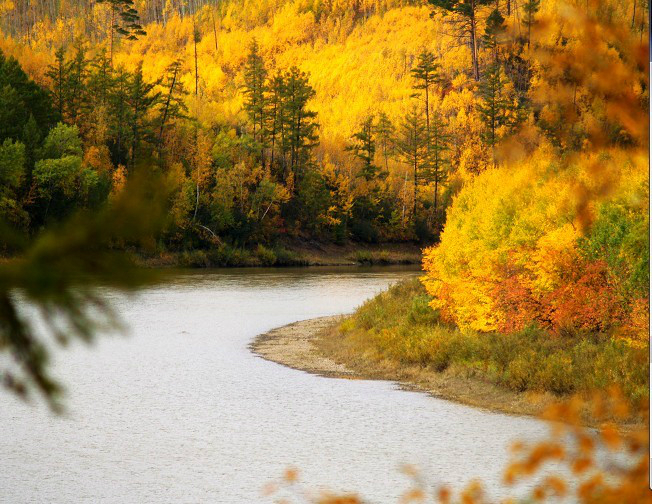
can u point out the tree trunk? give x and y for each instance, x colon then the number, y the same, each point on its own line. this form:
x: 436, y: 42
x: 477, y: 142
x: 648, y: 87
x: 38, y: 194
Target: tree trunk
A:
x: 474, y: 53
x: 166, y: 111
x: 404, y: 198
x: 415, y: 193
x: 214, y: 28
x: 427, y: 83
x: 194, y: 37
x: 436, y: 201
x: 112, y: 30
x: 196, y: 201
x: 474, y: 44
x: 436, y: 204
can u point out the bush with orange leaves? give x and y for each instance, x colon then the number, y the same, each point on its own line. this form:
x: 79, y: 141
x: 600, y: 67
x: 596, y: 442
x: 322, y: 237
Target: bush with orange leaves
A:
x: 585, y: 300
x: 518, y: 301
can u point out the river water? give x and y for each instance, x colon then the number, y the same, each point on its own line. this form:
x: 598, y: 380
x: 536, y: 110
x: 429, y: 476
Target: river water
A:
x: 180, y: 411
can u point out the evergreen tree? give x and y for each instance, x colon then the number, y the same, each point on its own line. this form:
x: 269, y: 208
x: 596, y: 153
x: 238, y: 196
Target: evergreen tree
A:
x: 438, y: 162
x: 196, y: 38
x: 464, y: 18
x: 141, y: 100
x: 363, y: 147
x: 172, y: 104
x: 118, y: 101
x: 100, y: 78
x: 124, y: 21
x: 494, y: 33
x: 384, y: 136
x: 20, y: 98
x: 530, y: 9
x: 255, y: 76
x: 58, y: 75
x: 275, y: 116
x: 299, y: 124
x: 75, y: 91
x: 32, y: 140
x: 426, y: 76
x: 496, y: 106
x: 412, y: 149
x: 12, y: 175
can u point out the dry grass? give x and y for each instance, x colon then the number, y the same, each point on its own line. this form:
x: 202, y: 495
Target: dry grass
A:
x: 397, y: 336
x: 455, y: 383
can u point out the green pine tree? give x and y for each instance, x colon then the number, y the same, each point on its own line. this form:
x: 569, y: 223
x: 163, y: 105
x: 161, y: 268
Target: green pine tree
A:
x: 32, y: 140
x: 172, y: 106
x: 58, y: 75
x: 118, y: 101
x: 494, y: 33
x: 385, y: 132
x: 530, y: 9
x: 426, y: 76
x: 255, y: 77
x: 464, y: 17
x: 363, y: 147
x: 496, y: 106
x: 275, y: 119
x: 299, y: 123
x: 76, y: 96
x: 412, y: 149
x: 124, y: 20
x: 100, y: 79
x: 20, y: 98
x: 141, y: 99
x: 438, y: 164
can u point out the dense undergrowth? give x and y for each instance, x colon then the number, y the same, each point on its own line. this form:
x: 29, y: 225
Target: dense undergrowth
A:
x: 401, y: 327
x: 226, y: 255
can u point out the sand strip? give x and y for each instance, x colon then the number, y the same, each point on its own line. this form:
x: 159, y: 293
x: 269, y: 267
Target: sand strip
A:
x: 315, y: 346
x: 293, y: 346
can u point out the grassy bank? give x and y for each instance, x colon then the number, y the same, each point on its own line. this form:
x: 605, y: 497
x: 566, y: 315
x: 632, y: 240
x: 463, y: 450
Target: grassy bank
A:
x: 298, y: 253
x: 398, y: 336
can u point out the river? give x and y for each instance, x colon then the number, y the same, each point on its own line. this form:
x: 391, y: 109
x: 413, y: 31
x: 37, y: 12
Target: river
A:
x: 180, y: 411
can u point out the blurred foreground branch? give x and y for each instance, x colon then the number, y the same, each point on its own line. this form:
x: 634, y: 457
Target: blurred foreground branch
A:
x: 57, y: 274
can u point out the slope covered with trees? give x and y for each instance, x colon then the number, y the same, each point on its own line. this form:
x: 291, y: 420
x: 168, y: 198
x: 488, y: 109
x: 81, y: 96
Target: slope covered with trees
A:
x: 391, y: 121
x: 356, y: 120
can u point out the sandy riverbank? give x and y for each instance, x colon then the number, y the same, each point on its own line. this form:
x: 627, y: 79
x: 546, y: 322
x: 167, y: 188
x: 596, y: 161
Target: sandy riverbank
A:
x: 316, y: 346
x: 293, y: 345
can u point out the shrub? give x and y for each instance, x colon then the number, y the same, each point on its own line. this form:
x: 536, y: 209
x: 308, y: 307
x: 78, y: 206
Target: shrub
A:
x: 363, y: 257
x: 266, y: 256
x: 556, y: 374
x: 420, y: 311
x: 520, y: 372
x: 285, y: 257
x: 194, y: 259
x: 365, y: 231
x: 399, y: 325
x: 586, y: 300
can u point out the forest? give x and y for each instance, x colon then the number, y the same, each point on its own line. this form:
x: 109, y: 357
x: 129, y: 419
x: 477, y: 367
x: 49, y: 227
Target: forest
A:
x: 509, y: 139
x: 325, y: 129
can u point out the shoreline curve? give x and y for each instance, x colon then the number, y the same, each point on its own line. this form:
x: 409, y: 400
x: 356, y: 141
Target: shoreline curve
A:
x: 312, y: 346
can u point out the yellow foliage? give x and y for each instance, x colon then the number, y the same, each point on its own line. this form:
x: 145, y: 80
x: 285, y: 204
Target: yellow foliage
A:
x: 525, y: 215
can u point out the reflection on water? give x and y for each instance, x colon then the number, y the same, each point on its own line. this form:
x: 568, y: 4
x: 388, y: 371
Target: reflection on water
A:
x: 181, y: 411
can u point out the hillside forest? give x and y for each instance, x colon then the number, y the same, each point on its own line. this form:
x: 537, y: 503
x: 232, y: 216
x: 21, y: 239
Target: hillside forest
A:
x: 510, y: 138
